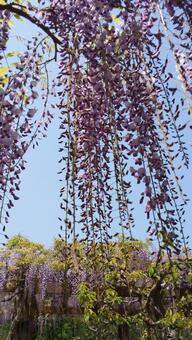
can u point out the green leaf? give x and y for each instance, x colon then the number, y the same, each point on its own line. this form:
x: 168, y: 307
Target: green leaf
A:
x: 12, y: 54
x: 3, y: 70
x: 116, y: 20
x: 4, y: 81
x: 11, y: 23
x: 151, y: 270
x: 18, y: 17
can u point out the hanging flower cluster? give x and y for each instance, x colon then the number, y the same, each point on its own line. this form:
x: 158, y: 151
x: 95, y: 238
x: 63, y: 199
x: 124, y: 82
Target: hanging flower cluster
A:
x: 19, y: 123
x: 120, y: 109
x: 4, y: 16
x: 122, y: 106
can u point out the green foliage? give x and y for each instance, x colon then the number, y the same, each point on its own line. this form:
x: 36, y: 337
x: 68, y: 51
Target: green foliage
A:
x: 4, y: 328
x: 87, y: 298
x: 29, y: 252
x: 126, y: 272
x: 69, y: 328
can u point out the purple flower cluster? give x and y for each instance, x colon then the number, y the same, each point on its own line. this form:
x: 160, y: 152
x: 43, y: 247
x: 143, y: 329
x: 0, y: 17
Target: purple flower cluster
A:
x: 119, y: 109
x: 17, y: 98
x: 3, y: 277
x: 118, y: 115
x: 46, y: 276
x: 31, y: 278
x: 19, y: 125
x: 4, y: 30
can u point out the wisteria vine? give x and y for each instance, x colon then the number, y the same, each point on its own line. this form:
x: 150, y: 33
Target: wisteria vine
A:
x: 120, y: 106
x: 121, y: 101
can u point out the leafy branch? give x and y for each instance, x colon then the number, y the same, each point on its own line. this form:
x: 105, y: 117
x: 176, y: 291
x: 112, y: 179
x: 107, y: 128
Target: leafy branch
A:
x: 21, y: 11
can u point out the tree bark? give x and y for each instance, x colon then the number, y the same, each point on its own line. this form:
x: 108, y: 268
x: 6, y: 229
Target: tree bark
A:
x: 123, y: 332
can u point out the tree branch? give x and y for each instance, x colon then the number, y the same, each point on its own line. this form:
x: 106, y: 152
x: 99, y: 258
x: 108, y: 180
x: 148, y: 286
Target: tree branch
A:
x: 11, y: 8
x: 9, y: 297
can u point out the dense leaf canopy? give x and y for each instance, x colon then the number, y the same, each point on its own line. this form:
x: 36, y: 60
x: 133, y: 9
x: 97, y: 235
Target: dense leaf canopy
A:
x: 124, y: 287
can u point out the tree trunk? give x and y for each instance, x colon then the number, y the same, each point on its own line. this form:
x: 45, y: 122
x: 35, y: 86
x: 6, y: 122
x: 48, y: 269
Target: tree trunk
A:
x: 123, y: 332
x: 25, y: 330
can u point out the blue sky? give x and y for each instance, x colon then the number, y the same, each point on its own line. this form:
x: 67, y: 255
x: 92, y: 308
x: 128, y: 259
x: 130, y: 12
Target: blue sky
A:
x: 36, y: 214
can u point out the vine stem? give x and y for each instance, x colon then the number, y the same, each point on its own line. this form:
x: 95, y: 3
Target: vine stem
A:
x: 22, y: 11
